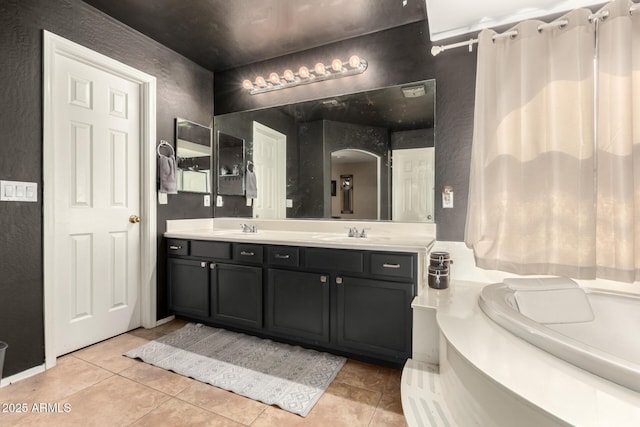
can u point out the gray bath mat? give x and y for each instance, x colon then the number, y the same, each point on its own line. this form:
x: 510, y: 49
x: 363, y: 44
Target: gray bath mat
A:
x: 290, y: 377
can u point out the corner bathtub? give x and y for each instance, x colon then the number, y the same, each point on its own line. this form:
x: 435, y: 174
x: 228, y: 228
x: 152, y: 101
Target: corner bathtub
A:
x: 607, y: 346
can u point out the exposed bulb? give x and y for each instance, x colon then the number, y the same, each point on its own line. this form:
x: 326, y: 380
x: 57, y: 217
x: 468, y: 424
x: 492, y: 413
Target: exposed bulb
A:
x: 319, y: 69
x: 354, y: 61
x: 303, y: 72
x: 260, y: 81
x: 247, y: 84
x: 288, y: 75
x: 274, y: 78
x: 336, y: 65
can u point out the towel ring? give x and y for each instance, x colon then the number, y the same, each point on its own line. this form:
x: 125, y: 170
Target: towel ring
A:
x: 164, y: 143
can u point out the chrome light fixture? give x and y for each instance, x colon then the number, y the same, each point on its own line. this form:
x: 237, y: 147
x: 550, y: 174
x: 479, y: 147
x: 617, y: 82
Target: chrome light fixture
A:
x: 320, y: 72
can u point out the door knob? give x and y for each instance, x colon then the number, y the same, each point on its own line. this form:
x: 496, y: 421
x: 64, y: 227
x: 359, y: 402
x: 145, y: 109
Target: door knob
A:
x: 134, y: 218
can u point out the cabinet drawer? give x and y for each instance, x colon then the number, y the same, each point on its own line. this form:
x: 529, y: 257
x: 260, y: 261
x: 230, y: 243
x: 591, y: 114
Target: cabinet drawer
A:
x: 283, y: 255
x: 208, y: 249
x: 335, y: 260
x: 177, y: 247
x: 395, y: 265
x: 247, y: 253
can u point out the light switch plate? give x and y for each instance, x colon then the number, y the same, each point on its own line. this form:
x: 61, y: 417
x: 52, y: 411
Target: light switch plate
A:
x: 207, y: 200
x: 18, y: 191
x: 289, y: 203
x: 162, y: 198
x: 219, y: 202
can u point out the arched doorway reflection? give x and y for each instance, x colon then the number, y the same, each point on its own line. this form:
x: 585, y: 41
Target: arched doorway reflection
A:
x: 355, y: 184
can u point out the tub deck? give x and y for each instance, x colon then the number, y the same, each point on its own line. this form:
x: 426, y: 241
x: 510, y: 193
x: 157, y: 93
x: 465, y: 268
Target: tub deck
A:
x: 483, y: 366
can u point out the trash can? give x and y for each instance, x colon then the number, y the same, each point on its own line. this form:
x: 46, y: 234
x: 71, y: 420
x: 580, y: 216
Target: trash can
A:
x: 3, y: 349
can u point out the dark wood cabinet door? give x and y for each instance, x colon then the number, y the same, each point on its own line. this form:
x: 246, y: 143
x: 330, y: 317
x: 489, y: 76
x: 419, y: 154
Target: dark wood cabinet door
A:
x: 236, y: 295
x: 188, y: 282
x: 298, y: 305
x: 374, y: 316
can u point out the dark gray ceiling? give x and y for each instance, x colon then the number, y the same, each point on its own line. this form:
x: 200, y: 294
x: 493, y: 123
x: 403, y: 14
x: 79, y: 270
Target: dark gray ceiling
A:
x: 224, y: 34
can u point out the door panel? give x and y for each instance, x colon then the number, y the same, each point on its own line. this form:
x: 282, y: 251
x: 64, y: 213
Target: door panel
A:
x: 412, y: 198
x: 96, y: 139
x: 374, y: 316
x: 236, y: 295
x: 269, y: 157
x: 298, y: 304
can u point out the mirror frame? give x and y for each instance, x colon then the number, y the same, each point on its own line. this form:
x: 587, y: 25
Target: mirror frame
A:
x: 178, y: 135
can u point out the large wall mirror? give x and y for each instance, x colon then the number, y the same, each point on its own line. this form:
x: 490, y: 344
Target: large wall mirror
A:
x: 193, y: 155
x: 366, y: 155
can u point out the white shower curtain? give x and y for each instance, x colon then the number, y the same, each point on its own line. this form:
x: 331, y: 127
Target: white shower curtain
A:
x: 539, y: 201
x: 618, y: 142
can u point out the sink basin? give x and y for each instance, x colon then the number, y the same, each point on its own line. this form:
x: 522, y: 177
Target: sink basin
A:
x: 340, y: 237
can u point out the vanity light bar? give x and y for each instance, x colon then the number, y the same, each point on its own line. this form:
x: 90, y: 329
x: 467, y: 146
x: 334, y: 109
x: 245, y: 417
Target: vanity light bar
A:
x: 320, y: 72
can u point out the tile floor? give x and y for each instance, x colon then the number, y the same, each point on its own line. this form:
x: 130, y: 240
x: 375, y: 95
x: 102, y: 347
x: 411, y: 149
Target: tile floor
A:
x: 98, y: 386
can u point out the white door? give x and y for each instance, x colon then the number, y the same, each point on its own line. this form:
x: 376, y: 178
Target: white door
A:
x: 96, y: 142
x: 411, y: 194
x: 270, y: 167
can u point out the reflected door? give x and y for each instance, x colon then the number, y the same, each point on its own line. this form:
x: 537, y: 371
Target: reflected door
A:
x: 269, y: 148
x: 412, y: 190
x: 96, y: 237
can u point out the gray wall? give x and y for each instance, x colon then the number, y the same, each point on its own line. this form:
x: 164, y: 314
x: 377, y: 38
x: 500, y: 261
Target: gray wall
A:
x: 184, y: 89
x: 395, y: 56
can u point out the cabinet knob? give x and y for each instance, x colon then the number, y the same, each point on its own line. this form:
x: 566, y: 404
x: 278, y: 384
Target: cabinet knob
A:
x: 212, y: 265
x: 339, y: 280
x: 323, y: 279
x: 203, y: 264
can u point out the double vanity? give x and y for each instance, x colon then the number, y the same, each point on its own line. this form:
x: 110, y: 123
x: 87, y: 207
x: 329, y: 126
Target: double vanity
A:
x: 327, y: 288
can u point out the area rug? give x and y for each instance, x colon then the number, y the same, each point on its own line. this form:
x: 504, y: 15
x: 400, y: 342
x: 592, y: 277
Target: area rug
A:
x: 291, y: 377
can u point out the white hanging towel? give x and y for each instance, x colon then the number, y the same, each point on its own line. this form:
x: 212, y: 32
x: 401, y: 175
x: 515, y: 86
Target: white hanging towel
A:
x: 251, y: 185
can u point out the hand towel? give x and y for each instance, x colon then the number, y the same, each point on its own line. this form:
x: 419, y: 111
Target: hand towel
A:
x: 167, y: 174
x: 555, y: 306
x: 539, y: 283
x: 251, y: 189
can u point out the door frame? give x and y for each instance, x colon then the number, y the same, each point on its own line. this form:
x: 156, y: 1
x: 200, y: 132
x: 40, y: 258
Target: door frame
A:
x: 55, y: 45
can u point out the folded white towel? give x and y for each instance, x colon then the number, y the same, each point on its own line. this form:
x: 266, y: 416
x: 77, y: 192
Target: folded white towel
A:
x: 555, y: 306
x: 539, y: 283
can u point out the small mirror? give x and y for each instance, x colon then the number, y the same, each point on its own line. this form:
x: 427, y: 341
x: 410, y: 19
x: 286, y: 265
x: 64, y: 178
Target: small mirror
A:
x: 230, y: 165
x: 193, y: 142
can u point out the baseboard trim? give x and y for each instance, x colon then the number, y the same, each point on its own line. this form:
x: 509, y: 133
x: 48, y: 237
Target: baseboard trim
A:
x: 165, y: 320
x: 22, y: 375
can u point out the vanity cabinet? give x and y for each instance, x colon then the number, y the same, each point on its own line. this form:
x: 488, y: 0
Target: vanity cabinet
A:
x: 298, y: 305
x: 236, y: 295
x: 353, y: 302
x: 189, y: 293
x: 374, y: 316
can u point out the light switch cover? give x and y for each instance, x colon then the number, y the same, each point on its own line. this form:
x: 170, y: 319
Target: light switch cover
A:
x: 18, y: 191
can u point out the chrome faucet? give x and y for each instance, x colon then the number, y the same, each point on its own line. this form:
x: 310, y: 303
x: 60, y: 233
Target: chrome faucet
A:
x: 246, y: 228
x: 353, y: 232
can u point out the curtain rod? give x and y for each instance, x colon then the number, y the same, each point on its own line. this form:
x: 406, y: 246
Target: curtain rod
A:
x: 435, y: 50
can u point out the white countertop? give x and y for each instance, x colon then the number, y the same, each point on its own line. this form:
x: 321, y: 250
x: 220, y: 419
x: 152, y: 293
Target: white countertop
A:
x: 398, y: 237
x: 570, y: 393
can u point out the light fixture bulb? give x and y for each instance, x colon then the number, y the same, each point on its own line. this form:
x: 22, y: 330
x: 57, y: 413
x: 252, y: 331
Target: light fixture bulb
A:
x: 288, y: 75
x: 260, y: 81
x: 274, y: 78
x: 247, y: 84
x: 354, y: 61
x: 303, y: 72
x: 336, y: 65
x: 319, y: 69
